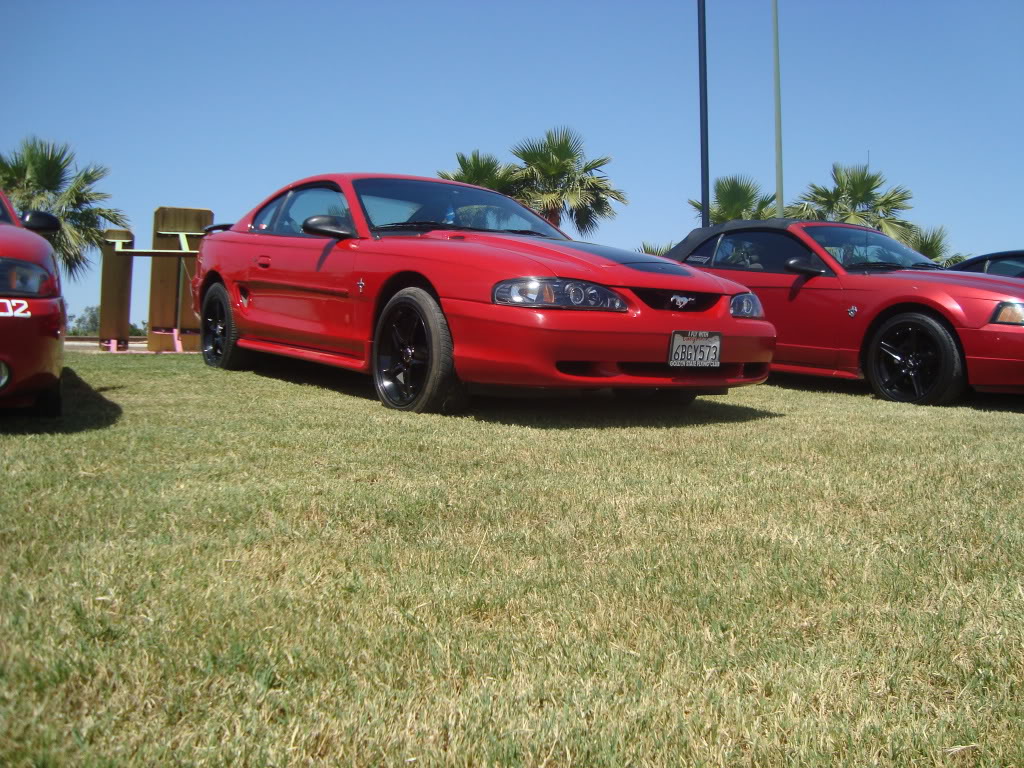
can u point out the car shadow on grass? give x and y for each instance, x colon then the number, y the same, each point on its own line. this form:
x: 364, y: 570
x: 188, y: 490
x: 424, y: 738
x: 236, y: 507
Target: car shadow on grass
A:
x: 820, y: 384
x: 557, y: 410
x: 85, y: 409
x: 985, y: 401
x: 980, y: 401
x: 589, y: 410
x: 294, y: 371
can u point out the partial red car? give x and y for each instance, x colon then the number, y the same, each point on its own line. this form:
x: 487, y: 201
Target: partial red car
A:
x: 431, y: 285
x: 851, y: 303
x: 32, y: 313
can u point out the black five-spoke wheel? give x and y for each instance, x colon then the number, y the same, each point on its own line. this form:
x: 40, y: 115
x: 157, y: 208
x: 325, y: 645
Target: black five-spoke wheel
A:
x: 914, y: 358
x: 218, y: 333
x: 413, y: 368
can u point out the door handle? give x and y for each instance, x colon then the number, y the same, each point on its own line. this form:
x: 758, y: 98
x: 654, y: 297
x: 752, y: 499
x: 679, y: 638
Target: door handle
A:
x: 263, y: 262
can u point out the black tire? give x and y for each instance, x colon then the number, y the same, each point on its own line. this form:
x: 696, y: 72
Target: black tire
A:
x: 49, y: 404
x: 914, y: 358
x: 218, y: 332
x: 413, y: 366
x: 676, y: 398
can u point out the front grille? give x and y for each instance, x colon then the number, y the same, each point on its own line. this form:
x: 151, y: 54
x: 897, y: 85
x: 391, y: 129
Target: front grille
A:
x: 658, y: 298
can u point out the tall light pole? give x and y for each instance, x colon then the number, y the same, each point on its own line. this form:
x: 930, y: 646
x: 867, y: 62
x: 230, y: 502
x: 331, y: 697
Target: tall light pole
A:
x: 702, y: 55
x: 779, y: 204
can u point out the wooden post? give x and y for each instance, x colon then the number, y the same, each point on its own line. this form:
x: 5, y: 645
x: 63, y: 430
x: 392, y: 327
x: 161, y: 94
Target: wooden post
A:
x: 170, y: 305
x: 115, y: 291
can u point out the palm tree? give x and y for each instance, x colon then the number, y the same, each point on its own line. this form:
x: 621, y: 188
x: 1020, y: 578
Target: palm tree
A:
x: 563, y: 183
x: 41, y: 175
x: 856, y: 197
x: 653, y: 249
x: 933, y: 242
x: 737, y: 197
x: 485, y: 170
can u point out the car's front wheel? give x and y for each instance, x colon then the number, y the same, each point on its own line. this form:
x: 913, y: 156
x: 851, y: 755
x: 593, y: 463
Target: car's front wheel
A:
x: 914, y: 358
x: 218, y: 332
x: 413, y: 365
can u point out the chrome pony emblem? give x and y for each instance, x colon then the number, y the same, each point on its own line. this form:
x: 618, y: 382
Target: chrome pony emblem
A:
x: 679, y: 302
x: 852, y: 311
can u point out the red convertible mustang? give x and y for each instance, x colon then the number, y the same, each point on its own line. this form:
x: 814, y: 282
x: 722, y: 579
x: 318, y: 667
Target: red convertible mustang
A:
x: 432, y: 285
x: 32, y: 315
x: 849, y: 302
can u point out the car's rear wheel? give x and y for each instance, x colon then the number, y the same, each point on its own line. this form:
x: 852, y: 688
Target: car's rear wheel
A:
x: 413, y: 365
x: 914, y: 358
x: 218, y: 332
x: 671, y: 396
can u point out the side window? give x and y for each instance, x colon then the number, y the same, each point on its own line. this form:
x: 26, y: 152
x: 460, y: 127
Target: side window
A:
x: 311, y: 201
x: 703, y: 253
x: 762, y: 252
x: 1012, y: 267
x: 978, y: 266
x: 262, y: 220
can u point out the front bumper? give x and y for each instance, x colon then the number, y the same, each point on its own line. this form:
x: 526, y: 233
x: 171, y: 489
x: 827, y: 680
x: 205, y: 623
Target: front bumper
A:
x: 32, y: 349
x: 995, y: 357
x: 519, y: 347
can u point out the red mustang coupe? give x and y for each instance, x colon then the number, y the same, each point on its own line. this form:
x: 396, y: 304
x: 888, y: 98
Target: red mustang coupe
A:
x: 431, y: 285
x: 32, y: 315
x: 849, y: 302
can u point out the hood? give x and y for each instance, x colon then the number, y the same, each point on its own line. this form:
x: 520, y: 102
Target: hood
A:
x: 18, y: 243
x: 599, y: 263
x: 966, y: 284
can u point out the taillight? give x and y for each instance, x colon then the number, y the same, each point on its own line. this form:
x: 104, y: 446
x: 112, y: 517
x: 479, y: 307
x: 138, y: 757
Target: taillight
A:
x: 22, y: 278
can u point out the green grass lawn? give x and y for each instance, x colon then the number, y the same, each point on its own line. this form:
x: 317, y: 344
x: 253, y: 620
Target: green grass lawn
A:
x: 267, y: 567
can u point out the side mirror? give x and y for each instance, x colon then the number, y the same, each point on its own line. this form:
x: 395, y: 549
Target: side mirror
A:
x: 328, y: 226
x: 41, y: 222
x: 804, y: 266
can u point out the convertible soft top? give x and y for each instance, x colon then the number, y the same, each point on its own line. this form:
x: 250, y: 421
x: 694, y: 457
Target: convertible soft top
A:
x: 680, y: 251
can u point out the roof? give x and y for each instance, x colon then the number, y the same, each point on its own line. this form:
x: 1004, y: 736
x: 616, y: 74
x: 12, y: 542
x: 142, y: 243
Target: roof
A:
x: 683, y: 249
x: 986, y: 256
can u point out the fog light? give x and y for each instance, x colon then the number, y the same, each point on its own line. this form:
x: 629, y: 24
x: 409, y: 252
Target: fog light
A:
x: 5, y: 374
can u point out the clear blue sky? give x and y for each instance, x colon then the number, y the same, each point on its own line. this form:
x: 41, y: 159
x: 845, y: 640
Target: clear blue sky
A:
x: 216, y: 104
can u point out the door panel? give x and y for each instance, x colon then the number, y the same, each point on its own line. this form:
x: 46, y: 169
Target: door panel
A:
x: 807, y: 310
x: 299, y: 285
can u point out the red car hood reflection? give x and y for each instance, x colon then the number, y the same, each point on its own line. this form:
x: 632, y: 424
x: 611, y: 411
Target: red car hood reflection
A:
x: 983, y: 284
x: 600, y: 263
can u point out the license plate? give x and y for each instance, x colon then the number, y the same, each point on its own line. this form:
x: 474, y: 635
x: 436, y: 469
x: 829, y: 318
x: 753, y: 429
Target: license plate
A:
x: 695, y: 349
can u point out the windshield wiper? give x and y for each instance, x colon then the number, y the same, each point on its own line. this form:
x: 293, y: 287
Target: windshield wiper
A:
x: 419, y: 225
x: 533, y: 232
x: 874, y: 265
x: 926, y: 265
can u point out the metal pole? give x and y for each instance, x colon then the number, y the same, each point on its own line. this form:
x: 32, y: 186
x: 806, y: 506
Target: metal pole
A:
x: 779, y: 199
x: 702, y: 54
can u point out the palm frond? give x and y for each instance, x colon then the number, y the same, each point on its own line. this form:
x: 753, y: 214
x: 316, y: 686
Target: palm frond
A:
x: 41, y: 175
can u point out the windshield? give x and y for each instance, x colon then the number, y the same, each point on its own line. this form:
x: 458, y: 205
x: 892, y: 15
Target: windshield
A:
x: 860, y: 248
x: 401, y: 205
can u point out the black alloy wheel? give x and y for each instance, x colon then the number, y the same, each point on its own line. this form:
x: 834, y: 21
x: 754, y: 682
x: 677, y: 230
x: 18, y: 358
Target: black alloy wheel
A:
x: 914, y: 358
x: 413, y: 366
x: 217, y: 331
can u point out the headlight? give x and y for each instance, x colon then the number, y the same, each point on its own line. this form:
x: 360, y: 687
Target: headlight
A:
x: 746, y: 305
x: 557, y: 293
x: 20, y: 278
x: 1009, y: 313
